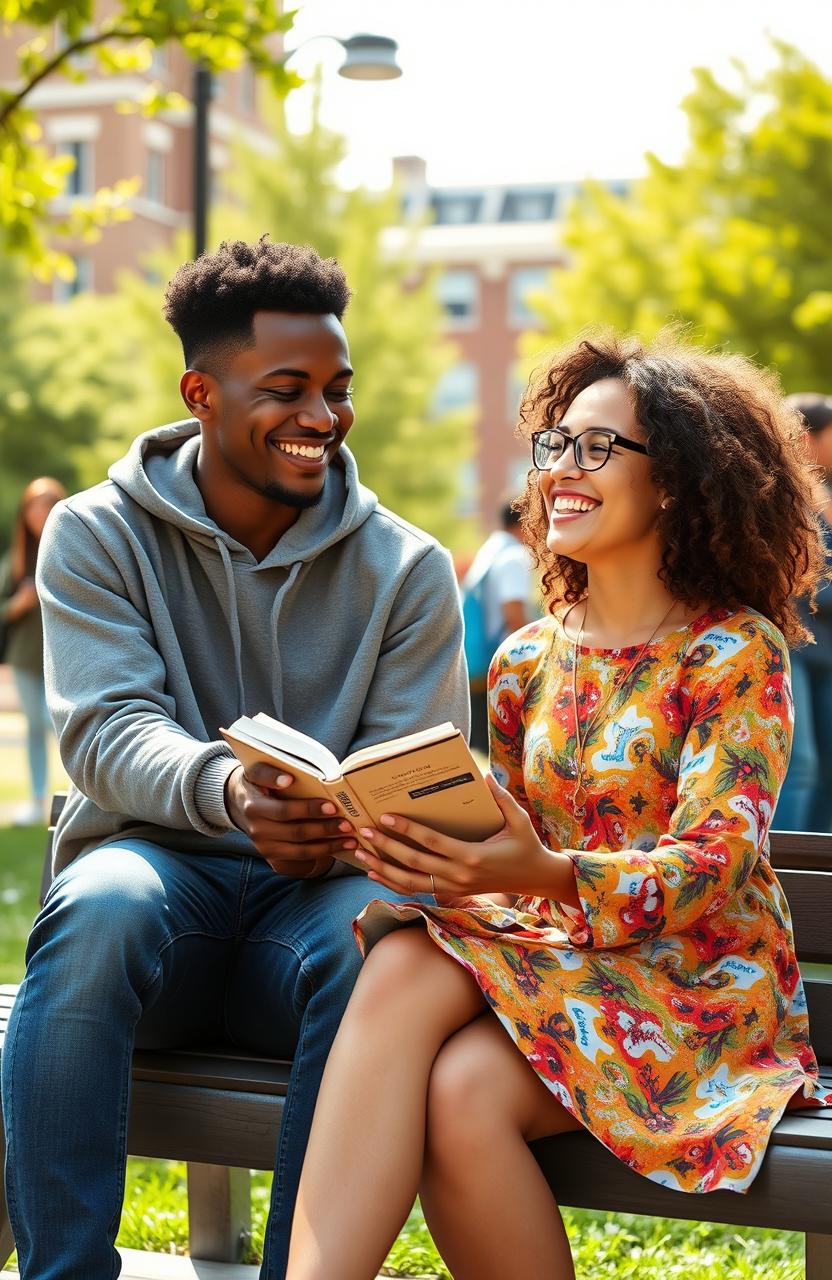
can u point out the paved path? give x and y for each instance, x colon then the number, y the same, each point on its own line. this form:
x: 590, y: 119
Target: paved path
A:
x: 162, y: 1266
x: 13, y: 770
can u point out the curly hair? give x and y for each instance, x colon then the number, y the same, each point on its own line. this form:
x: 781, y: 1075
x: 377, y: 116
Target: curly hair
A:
x: 211, y: 302
x: 741, y: 527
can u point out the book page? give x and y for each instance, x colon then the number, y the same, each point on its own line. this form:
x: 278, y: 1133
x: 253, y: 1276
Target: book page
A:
x: 282, y: 736
x: 386, y: 750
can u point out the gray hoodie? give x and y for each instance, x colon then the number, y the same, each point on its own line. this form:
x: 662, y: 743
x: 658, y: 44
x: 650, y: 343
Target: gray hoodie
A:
x: 160, y: 628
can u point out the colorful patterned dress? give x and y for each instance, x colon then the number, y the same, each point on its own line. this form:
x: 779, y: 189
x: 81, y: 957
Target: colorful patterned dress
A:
x: 667, y: 1012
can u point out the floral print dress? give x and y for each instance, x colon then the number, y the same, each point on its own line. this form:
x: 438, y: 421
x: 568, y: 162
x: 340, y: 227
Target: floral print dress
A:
x: 667, y: 1012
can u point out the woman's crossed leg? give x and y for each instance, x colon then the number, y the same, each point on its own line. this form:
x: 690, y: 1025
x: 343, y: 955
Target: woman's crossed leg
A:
x: 422, y: 1087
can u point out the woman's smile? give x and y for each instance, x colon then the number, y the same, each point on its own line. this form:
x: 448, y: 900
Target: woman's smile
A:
x: 567, y: 504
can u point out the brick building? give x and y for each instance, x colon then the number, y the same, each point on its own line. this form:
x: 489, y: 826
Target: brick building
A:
x: 492, y: 247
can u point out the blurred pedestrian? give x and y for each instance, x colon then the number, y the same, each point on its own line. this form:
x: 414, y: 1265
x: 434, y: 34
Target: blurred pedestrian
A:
x: 20, y: 613
x: 496, y: 601
x: 806, y: 798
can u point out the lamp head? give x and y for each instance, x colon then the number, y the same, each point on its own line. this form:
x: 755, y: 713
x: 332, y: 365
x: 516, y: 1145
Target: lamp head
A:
x: 370, y: 58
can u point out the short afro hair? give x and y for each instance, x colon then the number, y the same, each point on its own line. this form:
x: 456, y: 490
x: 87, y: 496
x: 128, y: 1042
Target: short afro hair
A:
x: 211, y: 302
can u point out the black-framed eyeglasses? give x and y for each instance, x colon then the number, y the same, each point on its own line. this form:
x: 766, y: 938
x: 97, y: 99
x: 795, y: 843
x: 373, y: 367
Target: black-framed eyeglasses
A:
x: 592, y: 448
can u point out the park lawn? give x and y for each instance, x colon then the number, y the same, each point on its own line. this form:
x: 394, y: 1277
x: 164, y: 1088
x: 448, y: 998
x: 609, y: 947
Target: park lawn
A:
x: 606, y: 1246
x: 21, y: 863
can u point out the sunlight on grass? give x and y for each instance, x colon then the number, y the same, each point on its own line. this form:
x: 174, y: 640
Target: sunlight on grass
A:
x: 21, y: 861
x: 606, y: 1246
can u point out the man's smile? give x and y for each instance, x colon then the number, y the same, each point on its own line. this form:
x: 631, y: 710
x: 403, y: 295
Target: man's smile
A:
x: 305, y: 455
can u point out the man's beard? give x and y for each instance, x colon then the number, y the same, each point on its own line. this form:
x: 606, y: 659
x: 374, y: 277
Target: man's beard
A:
x: 290, y: 497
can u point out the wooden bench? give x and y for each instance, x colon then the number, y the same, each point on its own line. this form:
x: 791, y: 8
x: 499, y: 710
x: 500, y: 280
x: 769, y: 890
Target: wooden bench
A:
x: 220, y: 1111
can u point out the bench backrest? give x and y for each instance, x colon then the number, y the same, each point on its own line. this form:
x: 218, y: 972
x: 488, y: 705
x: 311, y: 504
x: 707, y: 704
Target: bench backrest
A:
x: 803, y: 862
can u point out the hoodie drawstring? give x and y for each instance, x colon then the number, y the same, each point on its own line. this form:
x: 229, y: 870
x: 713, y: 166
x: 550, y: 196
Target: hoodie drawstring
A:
x: 280, y: 596
x: 234, y: 624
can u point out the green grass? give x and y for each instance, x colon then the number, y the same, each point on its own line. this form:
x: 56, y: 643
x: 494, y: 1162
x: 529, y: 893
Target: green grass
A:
x: 606, y: 1246
x: 21, y: 862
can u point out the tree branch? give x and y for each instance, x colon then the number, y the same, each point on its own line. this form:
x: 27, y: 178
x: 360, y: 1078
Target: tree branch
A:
x: 78, y: 46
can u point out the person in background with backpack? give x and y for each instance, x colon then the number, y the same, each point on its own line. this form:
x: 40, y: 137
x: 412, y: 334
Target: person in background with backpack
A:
x: 22, y: 629
x: 496, y: 601
x: 805, y: 802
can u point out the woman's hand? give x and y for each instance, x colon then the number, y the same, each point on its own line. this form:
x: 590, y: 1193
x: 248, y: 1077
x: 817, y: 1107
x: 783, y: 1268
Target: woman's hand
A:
x: 512, y: 861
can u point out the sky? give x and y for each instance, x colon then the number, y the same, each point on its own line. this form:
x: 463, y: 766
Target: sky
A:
x: 534, y: 90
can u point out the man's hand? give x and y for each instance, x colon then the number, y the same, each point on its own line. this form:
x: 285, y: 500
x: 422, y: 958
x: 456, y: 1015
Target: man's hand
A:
x: 297, y: 838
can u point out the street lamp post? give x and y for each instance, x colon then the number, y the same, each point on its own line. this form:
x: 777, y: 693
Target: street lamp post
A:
x: 368, y: 57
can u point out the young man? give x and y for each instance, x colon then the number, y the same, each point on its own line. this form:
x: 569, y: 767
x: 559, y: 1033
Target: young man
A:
x: 231, y: 564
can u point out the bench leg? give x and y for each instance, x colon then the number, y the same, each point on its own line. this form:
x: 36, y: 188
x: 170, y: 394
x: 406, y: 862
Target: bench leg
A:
x: 818, y: 1257
x: 219, y: 1212
x: 6, y: 1238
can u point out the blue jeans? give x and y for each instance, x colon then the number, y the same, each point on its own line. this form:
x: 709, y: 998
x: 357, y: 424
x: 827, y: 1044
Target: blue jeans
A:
x: 139, y: 944
x: 32, y: 696
x: 805, y: 802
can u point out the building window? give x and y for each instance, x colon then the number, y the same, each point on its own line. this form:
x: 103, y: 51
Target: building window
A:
x: 528, y: 206
x: 456, y: 210
x: 66, y: 289
x: 79, y: 181
x: 155, y: 184
x: 458, y: 292
x: 518, y: 380
x: 458, y: 388
x: 524, y: 281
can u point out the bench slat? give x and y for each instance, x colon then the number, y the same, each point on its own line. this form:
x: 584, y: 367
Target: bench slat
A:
x: 216, y: 1070
x: 805, y: 892
x: 792, y: 1191
x: 799, y: 1129
x: 801, y: 851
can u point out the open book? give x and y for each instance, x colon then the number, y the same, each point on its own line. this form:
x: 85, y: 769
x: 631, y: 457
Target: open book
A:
x: 430, y: 776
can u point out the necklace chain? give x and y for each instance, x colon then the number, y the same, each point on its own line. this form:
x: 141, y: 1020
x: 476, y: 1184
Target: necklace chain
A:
x: 580, y: 793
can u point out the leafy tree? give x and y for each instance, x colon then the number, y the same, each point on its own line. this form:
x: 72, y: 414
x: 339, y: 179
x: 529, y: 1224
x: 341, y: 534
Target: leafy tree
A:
x: 41, y: 420
x: 117, y: 361
x: 733, y: 241
x: 221, y: 34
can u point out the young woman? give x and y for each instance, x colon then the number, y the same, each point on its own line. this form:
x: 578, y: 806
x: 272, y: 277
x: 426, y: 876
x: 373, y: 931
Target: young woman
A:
x: 640, y: 977
x: 20, y: 612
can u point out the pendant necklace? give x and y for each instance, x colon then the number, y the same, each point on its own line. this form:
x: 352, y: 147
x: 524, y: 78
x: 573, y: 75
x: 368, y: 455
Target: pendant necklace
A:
x: 580, y: 792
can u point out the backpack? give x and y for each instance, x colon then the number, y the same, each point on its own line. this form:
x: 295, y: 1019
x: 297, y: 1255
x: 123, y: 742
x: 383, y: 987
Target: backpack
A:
x: 479, y: 646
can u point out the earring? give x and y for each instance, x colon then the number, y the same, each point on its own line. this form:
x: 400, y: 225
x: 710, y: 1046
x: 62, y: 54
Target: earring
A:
x: 664, y: 504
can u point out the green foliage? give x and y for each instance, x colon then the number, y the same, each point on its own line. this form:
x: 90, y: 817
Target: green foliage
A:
x: 733, y: 242
x: 40, y: 420
x: 222, y: 34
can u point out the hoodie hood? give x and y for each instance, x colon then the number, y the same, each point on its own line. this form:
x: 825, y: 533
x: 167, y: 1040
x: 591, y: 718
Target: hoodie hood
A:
x: 158, y: 473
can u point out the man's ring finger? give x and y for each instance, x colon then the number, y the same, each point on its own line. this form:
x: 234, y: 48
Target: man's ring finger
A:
x: 432, y: 885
